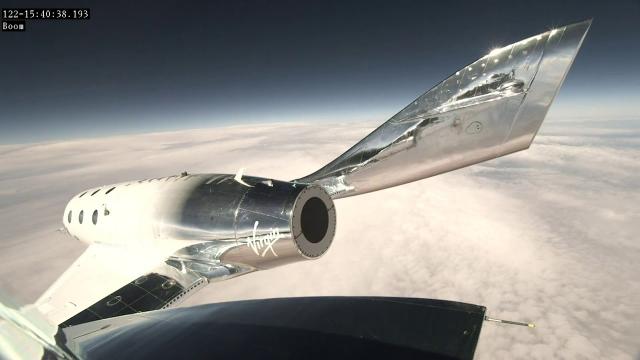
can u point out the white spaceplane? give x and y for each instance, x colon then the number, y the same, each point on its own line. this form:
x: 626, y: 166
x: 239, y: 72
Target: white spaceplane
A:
x: 154, y: 242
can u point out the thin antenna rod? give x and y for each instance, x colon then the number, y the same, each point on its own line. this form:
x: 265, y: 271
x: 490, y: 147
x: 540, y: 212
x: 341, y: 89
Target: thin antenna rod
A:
x: 531, y: 325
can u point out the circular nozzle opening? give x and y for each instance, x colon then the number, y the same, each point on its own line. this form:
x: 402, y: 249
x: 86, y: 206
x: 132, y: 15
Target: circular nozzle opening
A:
x: 314, y: 220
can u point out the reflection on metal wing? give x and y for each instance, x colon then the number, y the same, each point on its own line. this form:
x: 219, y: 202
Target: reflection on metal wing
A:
x: 487, y: 109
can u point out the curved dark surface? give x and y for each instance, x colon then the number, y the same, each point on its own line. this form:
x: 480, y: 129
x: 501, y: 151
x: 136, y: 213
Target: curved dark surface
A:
x: 288, y: 328
x: 315, y: 220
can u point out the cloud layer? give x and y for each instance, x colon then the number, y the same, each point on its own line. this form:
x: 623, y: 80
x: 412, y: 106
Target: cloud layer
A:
x: 549, y: 235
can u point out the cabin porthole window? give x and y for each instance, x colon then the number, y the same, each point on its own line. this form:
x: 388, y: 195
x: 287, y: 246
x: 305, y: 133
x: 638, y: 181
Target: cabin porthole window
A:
x: 69, y: 217
x: 80, y: 216
x: 94, y: 217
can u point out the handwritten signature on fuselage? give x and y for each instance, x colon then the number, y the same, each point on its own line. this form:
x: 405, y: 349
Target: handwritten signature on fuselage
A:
x: 263, y: 243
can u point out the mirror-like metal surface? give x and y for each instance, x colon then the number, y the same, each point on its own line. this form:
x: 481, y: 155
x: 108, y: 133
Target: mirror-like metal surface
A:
x: 256, y: 223
x: 487, y: 109
x: 182, y: 232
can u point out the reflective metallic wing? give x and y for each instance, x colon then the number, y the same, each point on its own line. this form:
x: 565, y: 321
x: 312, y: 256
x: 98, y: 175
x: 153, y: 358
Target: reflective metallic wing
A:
x: 487, y: 109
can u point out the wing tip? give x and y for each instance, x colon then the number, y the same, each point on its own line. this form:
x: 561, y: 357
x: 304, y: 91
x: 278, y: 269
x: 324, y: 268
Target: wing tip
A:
x: 561, y: 49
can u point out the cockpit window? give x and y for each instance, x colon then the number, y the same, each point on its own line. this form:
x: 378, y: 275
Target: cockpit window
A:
x: 94, y: 217
x: 95, y: 192
x: 110, y: 190
x: 69, y: 217
x: 81, y: 195
x: 80, y: 216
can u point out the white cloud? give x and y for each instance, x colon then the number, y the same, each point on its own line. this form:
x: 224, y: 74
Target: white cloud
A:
x: 549, y: 235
